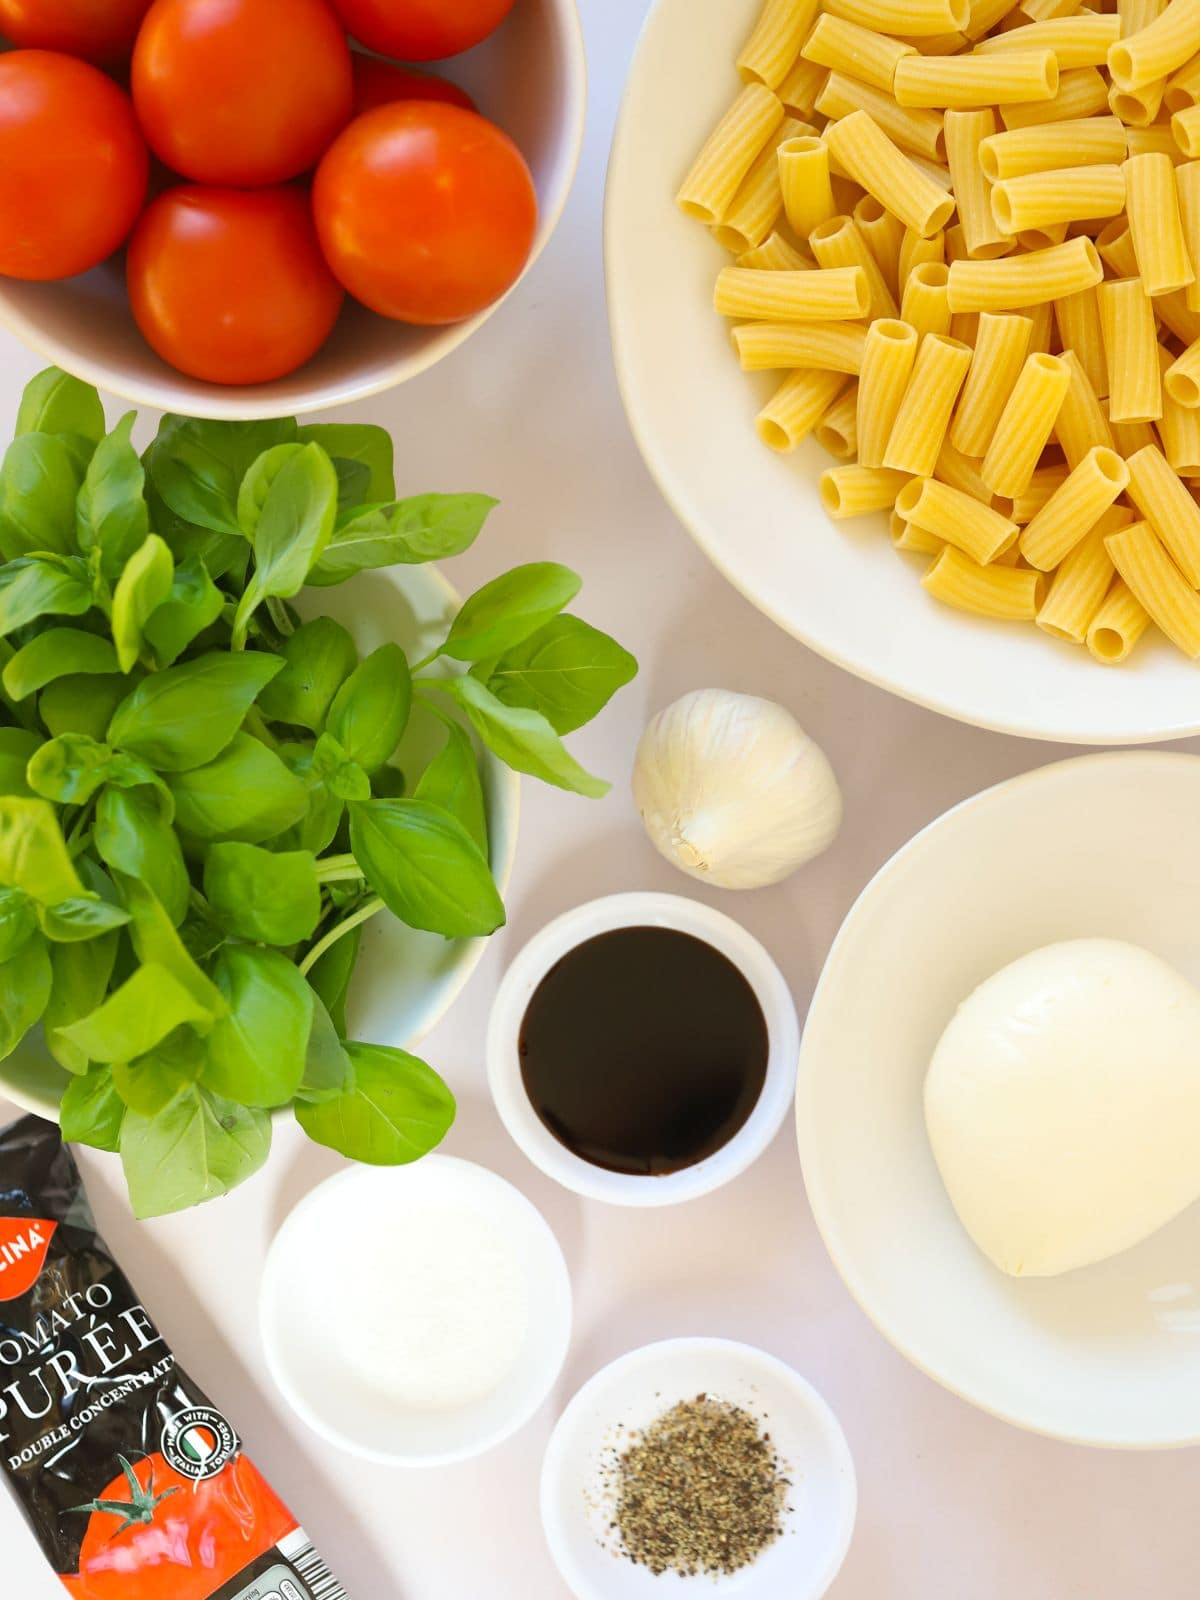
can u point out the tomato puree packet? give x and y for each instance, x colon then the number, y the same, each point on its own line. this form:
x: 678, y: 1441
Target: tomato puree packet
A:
x: 134, y: 1483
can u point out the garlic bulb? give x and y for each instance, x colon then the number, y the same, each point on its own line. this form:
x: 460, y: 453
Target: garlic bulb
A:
x: 733, y: 791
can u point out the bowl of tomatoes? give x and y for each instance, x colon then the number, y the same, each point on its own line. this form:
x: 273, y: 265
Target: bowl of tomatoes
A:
x: 248, y: 208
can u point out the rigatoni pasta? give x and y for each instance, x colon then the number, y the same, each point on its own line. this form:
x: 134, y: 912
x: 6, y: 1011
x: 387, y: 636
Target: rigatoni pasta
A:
x: 867, y: 154
x: 729, y: 153
x: 772, y: 48
x: 1050, y: 146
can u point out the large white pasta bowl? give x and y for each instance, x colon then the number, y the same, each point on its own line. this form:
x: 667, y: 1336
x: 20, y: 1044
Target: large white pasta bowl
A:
x: 837, y: 586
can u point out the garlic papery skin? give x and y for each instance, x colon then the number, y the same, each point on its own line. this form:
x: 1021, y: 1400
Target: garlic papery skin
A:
x: 733, y: 791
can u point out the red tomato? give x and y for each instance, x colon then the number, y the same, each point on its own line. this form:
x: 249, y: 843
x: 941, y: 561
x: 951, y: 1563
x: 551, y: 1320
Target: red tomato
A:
x: 421, y: 30
x: 382, y: 83
x: 246, y: 92
x: 73, y: 165
x: 231, y: 286
x: 424, y: 211
x: 102, y: 33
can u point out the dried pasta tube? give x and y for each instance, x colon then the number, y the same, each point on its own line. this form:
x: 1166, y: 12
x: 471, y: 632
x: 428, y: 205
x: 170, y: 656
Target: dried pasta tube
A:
x: 774, y: 44
x: 856, y: 51
x: 906, y: 536
x: 1156, y: 140
x: 729, y: 153
x: 1182, y: 378
x: 840, y: 243
x: 775, y: 254
x: 1078, y: 319
x: 755, y: 208
x: 924, y: 414
x: 884, y: 234
x: 1131, y: 350
x: 824, y: 346
x: 1074, y: 508
x: 830, y: 294
x: 1130, y: 437
x: 1134, y: 15
x: 1049, y: 199
x: 837, y: 430
x: 796, y: 407
x: 1179, y: 430
x: 987, y: 14
x: 966, y: 133
x: 1118, y: 624
x: 1187, y: 182
x: 889, y: 351
x: 1156, y: 490
x: 1137, y: 108
x: 1009, y: 594
x: 1080, y: 40
x: 1158, y: 50
x: 917, y: 132
x: 856, y: 491
x: 1017, y: 282
x: 1082, y: 92
x: 914, y: 250
x: 918, y: 18
x: 1042, y: 485
x: 1081, y: 423
x: 1114, y: 243
x: 1048, y: 147
x: 939, y: 82
x: 1155, y: 580
x: 803, y: 164
x: 1183, y: 89
x: 1172, y: 309
x: 957, y: 518
x: 799, y: 91
x: 961, y: 472
x: 1156, y: 225
x: 871, y: 159
x: 1025, y: 424
x: 1081, y: 582
x: 924, y: 306
x: 1001, y: 346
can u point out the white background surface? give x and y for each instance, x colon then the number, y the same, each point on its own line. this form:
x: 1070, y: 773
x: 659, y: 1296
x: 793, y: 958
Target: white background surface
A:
x: 953, y: 1504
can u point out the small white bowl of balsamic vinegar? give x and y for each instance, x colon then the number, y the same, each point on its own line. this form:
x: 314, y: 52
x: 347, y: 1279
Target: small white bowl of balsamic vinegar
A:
x: 642, y: 1049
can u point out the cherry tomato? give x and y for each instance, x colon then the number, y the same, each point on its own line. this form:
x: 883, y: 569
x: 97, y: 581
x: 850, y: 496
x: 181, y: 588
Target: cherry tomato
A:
x: 179, y: 1540
x: 245, y: 92
x: 100, y: 32
x: 381, y: 83
x: 426, y: 212
x: 73, y: 165
x: 421, y: 30
x: 229, y: 285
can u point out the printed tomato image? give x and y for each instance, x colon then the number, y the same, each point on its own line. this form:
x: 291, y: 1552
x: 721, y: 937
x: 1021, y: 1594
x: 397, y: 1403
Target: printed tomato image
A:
x: 73, y: 165
x: 103, y: 33
x: 381, y: 83
x: 229, y: 285
x: 425, y: 212
x: 422, y: 30
x: 242, y: 92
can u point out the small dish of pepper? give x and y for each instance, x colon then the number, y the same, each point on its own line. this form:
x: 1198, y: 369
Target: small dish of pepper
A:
x: 705, y: 1460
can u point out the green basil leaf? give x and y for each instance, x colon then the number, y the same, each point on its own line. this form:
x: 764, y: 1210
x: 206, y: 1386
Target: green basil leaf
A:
x: 193, y: 604
x: 198, y: 1148
x: 426, y: 527
x: 70, y: 769
x: 347, y: 781
x: 451, y: 781
x: 137, y: 1016
x: 184, y: 716
x: 567, y: 670
x: 354, y: 484
x: 18, y: 919
x: 24, y: 991
x: 134, y: 837
x: 509, y: 609
x: 30, y: 589
x: 92, y: 1111
x: 522, y: 739
x: 256, y: 485
x: 144, y: 584
x: 17, y: 748
x: 33, y: 853
x: 81, y: 974
x: 54, y: 654
x: 247, y: 794
x: 398, y: 1110
x: 331, y: 973
x: 197, y: 465
x: 149, y: 1084
x: 318, y: 827
x: 79, y: 704
x: 158, y: 943
x: 295, y: 526
x: 360, y: 442
x: 39, y: 481
x: 318, y: 658
x: 111, y: 517
x: 256, y: 1052
x: 327, y: 1068
x: 82, y: 917
x: 425, y: 867
x: 55, y: 402
x: 266, y: 896
x: 370, y: 711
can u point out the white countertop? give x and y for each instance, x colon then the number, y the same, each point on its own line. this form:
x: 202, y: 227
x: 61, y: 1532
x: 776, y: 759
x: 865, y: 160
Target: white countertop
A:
x: 952, y: 1504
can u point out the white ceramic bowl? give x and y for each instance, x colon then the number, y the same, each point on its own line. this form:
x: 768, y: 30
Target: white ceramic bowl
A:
x: 635, y: 1389
x: 405, y: 981
x: 1106, y: 846
x: 840, y: 587
x: 304, y: 1318
x: 530, y: 77
x: 641, y: 910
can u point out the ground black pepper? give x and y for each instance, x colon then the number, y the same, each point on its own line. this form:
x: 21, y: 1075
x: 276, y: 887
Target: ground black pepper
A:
x: 701, y: 1490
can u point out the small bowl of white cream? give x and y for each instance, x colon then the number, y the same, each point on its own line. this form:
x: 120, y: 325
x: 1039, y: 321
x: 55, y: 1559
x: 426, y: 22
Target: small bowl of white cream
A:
x: 418, y: 1315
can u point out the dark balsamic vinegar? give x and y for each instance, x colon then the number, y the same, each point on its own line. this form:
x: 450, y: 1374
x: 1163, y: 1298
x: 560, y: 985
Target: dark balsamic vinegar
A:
x: 644, y: 1050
